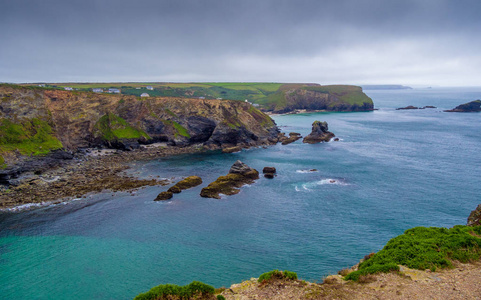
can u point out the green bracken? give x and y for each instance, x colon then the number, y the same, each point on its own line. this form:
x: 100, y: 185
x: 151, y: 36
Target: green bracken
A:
x: 172, y: 291
x: 277, y: 274
x: 424, y: 248
x: 29, y: 137
x: 111, y: 127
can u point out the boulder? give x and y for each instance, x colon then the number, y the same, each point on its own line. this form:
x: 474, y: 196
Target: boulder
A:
x: 269, y: 170
x: 164, y: 196
x: 320, y: 133
x: 269, y: 175
x: 189, y: 182
x: 474, y: 218
x: 239, y: 175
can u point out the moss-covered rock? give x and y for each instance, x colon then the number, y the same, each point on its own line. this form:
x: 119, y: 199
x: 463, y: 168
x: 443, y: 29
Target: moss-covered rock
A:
x: 164, y: 196
x: 239, y: 175
x: 189, y: 182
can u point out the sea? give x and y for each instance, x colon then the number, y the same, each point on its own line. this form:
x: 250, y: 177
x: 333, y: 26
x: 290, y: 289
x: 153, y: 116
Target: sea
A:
x: 329, y: 206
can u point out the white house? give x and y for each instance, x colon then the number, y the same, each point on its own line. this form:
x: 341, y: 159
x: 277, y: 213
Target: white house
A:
x: 68, y: 88
x: 143, y: 95
x: 114, y: 91
x: 97, y: 90
x: 150, y: 88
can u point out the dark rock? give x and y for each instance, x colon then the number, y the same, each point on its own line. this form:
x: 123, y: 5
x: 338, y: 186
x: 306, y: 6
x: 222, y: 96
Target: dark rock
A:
x: 269, y: 170
x: 408, y: 107
x: 239, y: 175
x: 269, y: 175
x: 336, y: 140
x: 320, y: 133
x: 429, y: 106
x: 164, y: 196
x: 240, y: 168
x: 473, y: 106
x: 474, y: 218
x: 293, y: 136
x: 174, y: 189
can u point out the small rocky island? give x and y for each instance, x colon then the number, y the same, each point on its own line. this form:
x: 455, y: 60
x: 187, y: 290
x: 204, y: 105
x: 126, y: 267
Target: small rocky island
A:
x: 415, y: 107
x: 239, y: 175
x: 320, y: 133
x: 473, y: 106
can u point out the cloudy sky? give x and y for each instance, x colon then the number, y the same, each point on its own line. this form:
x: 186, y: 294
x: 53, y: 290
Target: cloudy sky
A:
x: 412, y: 42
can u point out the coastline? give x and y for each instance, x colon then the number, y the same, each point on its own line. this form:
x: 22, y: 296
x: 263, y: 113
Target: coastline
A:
x: 92, y: 173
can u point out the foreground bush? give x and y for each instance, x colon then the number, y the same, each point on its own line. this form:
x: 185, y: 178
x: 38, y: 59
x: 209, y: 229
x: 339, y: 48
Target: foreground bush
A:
x: 424, y: 248
x: 194, y: 290
x: 277, y: 274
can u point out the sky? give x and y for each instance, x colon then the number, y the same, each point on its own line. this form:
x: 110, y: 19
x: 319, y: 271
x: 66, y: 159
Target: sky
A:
x: 410, y: 42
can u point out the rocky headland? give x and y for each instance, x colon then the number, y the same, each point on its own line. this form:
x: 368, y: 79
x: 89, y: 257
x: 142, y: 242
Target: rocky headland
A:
x: 473, y: 106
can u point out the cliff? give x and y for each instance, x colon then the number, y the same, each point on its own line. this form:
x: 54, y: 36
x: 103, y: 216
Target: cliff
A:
x: 312, y: 97
x: 269, y: 96
x: 36, y: 121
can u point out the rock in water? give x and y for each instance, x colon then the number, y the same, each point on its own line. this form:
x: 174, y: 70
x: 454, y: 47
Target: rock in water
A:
x: 474, y: 218
x: 269, y: 170
x: 473, y: 106
x: 164, y: 196
x: 239, y: 175
x: 320, y: 133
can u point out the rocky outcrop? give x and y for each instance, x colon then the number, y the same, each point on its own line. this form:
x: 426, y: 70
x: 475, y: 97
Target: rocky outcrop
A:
x: 164, y: 196
x: 474, y: 218
x: 293, y: 136
x: 239, y: 175
x: 415, y: 107
x: 74, y: 120
x: 473, y: 106
x: 320, y: 133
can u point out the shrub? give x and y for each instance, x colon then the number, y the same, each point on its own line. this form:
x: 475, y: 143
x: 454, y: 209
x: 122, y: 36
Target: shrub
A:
x: 220, y: 297
x: 277, y: 274
x: 172, y: 291
x: 424, y: 248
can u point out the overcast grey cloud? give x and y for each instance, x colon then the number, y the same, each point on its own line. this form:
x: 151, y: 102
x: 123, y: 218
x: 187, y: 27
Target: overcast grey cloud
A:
x: 425, y: 42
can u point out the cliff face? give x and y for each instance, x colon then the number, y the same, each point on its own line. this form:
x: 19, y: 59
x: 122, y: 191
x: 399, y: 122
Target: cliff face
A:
x: 291, y: 97
x: 74, y: 120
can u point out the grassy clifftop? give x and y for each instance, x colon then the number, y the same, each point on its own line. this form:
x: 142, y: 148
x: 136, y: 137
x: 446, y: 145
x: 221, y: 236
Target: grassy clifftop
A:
x: 276, y: 97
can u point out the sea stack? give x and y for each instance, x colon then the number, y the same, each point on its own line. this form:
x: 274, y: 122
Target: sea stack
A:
x: 320, y: 133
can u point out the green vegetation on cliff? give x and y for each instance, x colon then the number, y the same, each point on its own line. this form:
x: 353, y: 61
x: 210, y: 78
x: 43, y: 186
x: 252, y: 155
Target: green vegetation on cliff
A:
x: 278, y: 97
x: 111, y: 127
x: 194, y: 290
x: 28, y: 137
x: 424, y: 248
x: 277, y: 274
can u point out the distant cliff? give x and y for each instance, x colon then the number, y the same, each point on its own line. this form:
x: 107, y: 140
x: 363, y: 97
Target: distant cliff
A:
x: 473, y: 106
x: 291, y: 97
x: 38, y: 120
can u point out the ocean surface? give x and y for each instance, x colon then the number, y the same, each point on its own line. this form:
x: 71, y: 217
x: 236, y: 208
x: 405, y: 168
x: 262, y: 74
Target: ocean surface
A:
x: 390, y: 171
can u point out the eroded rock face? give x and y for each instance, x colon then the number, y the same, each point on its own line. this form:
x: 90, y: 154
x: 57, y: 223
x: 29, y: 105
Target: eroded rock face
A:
x: 293, y: 136
x: 239, y: 175
x: 474, y: 218
x: 320, y: 133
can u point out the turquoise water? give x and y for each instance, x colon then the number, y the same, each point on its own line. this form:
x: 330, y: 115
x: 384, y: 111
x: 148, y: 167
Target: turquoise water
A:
x: 392, y: 170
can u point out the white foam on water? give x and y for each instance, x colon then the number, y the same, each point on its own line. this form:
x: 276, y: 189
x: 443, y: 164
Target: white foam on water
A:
x: 332, y: 181
x: 307, y: 171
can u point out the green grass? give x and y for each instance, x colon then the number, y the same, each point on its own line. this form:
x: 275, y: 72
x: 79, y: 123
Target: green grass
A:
x: 29, y: 137
x: 277, y: 274
x: 424, y: 248
x: 172, y: 291
x: 111, y: 127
